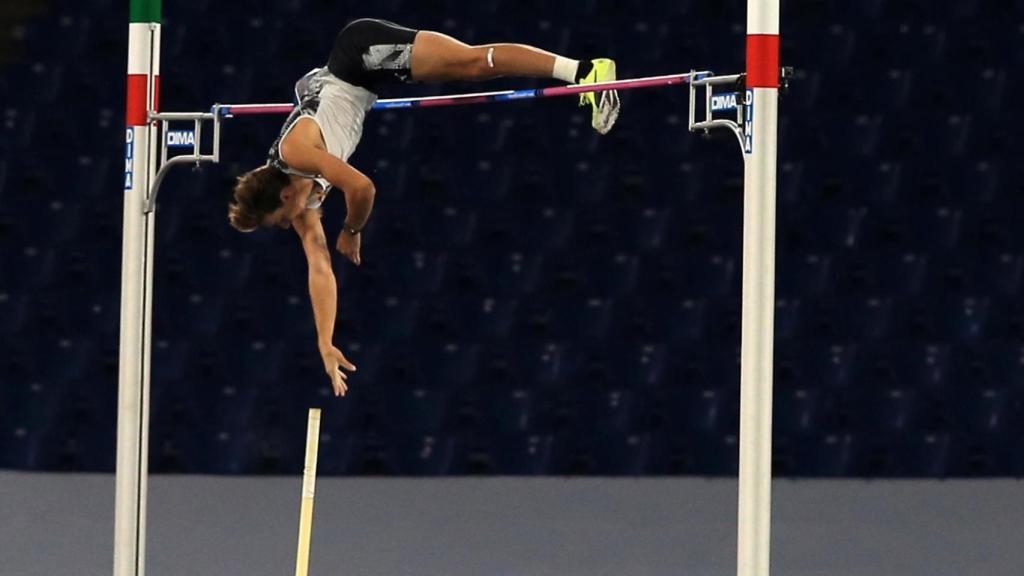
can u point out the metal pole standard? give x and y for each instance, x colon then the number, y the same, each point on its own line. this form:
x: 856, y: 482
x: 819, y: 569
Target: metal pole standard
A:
x: 136, y: 291
x: 760, y: 133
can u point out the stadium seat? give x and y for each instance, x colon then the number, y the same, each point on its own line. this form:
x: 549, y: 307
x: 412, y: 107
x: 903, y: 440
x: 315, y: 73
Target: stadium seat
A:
x: 514, y: 410
x: 704, y: 411
x: 833, y: 365
x: 930, y: 454
x: 487, y: 318
x: 899, y: 274
x: 530, y: 455
x: 884, y: 411
x: 512, y: 273
x: 715, y: 455
x: 387, y: 317
x: 642, y: 365
x: 798, y: 411
x: 987, y: 411
x: 15, y: 309
x: 591, y: 414
x: 1002, y: 272
x: 447, y: 226
x: 419, y: 411
x: 926, y: 367
x: 531, y: 365
x: 447, y: 364
x: 426, y: 455
x: 826, y: 455
x: 257, y: 363
x: 631, y: 455
x: 413, y: 273
x: 169, y: 362
x: 803, y: 274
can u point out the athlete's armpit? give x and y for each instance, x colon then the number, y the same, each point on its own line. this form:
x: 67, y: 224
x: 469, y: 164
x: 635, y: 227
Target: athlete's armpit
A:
x: 302, y: 149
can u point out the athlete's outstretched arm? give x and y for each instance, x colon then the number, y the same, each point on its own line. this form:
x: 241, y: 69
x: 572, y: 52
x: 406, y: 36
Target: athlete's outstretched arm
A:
x: 323, y: 292
x: 302, y: 149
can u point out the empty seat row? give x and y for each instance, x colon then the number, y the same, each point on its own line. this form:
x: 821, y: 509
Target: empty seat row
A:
x: 927, y: 454
x: 886, y: 389
x: 561, y: 307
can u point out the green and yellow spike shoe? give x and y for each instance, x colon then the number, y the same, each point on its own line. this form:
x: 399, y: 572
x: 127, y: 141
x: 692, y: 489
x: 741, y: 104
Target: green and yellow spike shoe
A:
x: 605, y: 104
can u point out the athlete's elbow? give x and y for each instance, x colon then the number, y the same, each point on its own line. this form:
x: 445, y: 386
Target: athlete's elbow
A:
x: 366, y: 190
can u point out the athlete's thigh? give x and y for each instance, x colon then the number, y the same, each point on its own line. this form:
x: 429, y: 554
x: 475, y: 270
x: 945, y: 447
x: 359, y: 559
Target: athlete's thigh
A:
x: 437, y: 57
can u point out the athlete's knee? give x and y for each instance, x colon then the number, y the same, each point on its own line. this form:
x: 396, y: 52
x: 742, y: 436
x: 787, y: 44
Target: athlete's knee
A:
x: 478, y: 62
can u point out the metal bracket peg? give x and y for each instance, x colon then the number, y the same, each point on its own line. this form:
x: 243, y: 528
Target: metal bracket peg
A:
x: 786, y: 75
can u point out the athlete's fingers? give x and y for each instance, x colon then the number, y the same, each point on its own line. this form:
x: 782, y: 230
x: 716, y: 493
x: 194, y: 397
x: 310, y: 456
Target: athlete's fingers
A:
x: 336, y: 383
x: 344, y: 362
x: 331, y: 365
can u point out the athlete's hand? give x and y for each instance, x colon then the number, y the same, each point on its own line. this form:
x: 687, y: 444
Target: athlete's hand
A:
x: 334, y: 361
x: 349, y: 244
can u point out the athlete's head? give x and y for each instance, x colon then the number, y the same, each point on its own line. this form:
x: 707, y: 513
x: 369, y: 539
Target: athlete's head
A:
x: 263, y: 197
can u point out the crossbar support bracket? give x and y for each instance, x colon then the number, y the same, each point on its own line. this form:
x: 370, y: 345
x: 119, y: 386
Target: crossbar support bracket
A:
x: 732, y: 95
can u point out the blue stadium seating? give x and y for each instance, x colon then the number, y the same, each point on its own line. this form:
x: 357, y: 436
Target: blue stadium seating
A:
x: 419, y: 411
x: 642, y: 365
x: 449, y: 364
x: 530, y: 454
x: 534, y: 298
x: 522, y: 411
x: 427, y: 455
x: 631, y: 455
x: 704, y: 411
x: 799, y: 411
x: 929, y: 454
x: 827, y: 455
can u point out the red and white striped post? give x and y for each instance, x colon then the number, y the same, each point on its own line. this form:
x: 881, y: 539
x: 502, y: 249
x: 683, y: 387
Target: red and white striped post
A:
x: 761, y: 143
x: 136, y: 290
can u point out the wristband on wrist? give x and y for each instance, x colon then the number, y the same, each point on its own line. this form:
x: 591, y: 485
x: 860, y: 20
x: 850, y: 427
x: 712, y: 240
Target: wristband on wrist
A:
x: 351, y: 230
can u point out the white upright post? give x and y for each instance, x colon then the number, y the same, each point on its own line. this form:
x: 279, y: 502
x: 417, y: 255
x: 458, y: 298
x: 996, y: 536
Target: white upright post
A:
x: 136, y: 291
x: 760, y: 132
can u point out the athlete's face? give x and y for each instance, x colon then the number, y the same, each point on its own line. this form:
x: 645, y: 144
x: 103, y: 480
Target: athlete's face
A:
x: 293, y: 202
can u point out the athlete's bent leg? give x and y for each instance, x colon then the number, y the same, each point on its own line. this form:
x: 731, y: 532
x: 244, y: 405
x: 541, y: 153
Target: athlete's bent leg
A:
x: 437, y: 57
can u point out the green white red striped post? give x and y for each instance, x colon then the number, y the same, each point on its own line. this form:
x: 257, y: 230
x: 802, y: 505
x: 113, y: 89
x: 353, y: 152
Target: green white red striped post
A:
x: 143, y: 60
x: 136, y: 290
x: 760, y: 138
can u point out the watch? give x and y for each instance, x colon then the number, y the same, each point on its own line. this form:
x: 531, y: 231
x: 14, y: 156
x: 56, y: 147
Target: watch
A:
x: 351, y: 230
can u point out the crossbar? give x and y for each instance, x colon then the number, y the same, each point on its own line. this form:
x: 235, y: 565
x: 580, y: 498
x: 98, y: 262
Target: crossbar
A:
x: 482, y: 97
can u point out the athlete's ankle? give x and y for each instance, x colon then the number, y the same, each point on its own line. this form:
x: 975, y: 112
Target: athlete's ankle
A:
x: 583, y: 70
x: 565, y: 69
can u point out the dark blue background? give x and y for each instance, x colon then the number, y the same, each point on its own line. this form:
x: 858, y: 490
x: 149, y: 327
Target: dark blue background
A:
x: 535, y: 298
